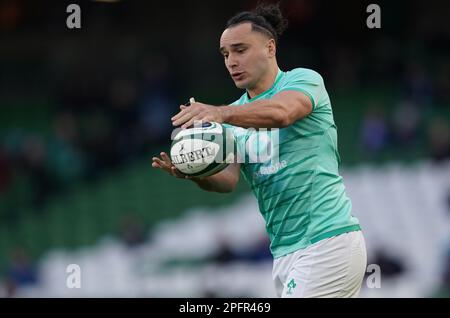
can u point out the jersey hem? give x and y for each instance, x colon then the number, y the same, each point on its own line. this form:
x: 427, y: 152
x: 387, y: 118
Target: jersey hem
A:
x: 317, y: 238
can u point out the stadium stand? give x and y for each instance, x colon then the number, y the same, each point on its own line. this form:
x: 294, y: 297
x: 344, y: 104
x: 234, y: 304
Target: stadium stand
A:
x: 403, y: 211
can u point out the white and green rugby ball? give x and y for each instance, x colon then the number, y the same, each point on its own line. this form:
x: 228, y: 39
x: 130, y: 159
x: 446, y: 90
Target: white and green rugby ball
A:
x: 202, y: 151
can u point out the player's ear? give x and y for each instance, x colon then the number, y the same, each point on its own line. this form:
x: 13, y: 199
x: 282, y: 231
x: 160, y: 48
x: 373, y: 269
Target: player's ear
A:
x: 271, y: 48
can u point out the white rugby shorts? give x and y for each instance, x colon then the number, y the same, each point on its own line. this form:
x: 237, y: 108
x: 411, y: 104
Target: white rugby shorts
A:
x: 332, y: 267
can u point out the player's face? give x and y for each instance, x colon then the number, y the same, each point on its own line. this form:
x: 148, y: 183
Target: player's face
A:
x: 247, y: 54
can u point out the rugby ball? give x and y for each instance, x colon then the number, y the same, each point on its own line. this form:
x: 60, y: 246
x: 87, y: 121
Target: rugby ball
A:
x: 202, y: 151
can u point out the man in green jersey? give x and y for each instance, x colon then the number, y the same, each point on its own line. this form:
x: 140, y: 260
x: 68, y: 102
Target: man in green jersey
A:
x: 318, y: 247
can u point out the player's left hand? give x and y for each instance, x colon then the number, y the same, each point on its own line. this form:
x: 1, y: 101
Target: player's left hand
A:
x: 197, y: 112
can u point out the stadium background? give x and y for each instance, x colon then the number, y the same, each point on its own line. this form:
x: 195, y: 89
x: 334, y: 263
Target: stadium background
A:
x: 83, y: 111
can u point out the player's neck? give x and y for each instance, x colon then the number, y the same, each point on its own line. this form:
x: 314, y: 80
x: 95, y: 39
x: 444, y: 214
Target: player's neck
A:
x: 265, y: 83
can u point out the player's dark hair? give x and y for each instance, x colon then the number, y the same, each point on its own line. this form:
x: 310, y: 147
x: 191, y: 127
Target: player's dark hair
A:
x: 267, y: 19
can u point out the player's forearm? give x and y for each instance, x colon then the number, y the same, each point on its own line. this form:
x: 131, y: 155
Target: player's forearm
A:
x: 265, y: 113
x: 216, y: 183
x: 223, y: 182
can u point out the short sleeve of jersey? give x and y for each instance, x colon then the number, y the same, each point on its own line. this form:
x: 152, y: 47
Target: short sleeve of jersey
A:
x: 306, y: 81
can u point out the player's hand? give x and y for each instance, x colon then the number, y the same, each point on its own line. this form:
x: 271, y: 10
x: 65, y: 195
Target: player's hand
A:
x: 197, y: 112
x: 166, y: 164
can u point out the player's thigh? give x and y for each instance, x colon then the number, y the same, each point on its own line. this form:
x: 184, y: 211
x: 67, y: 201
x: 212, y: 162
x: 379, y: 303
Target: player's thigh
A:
x: 357, y: 267
x: 333, y: 267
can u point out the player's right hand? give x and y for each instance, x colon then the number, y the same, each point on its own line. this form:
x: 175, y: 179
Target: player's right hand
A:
x: 167, y: 165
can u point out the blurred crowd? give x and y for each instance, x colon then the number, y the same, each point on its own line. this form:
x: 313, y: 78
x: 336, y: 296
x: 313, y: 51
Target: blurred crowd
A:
x: 417, y: 121
x: 96, y: 126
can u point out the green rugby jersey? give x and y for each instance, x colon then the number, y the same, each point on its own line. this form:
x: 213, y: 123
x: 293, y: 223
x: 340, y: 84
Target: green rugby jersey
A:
x: 302, y: 196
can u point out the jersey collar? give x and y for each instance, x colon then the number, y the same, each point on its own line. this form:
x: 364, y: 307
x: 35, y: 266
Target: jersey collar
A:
x: 277, y: 79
